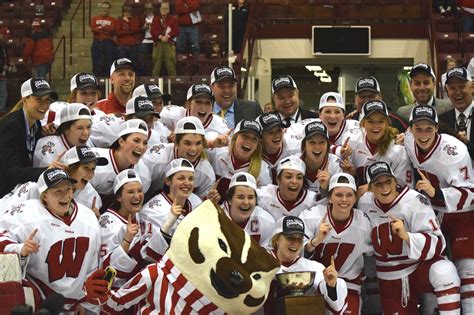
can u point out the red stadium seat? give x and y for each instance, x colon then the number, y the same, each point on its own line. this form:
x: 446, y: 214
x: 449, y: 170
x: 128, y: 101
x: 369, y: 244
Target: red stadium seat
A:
x: 185, y: 64
x: 179, y: 89
x: 348, y: 10
x: 20, y: 27
x: 298, y: 11
x: 276, y: 11
x: 444, y: 24
x: 394, y: 10
x: 4, y: 22
x: 447, y: 42
x: 371, y: 10
x: 324, y: 9
x: 10, y: 9
x: 14, y: 47
x: 202, y: 79
x: 468, y: 42
x: 415, y: 9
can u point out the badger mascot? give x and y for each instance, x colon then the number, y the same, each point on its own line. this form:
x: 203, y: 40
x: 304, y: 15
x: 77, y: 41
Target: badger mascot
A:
x: 211, y: 267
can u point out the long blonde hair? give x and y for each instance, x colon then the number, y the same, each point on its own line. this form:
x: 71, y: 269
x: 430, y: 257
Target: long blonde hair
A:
x: 255, y: 159
x: 389, y: 135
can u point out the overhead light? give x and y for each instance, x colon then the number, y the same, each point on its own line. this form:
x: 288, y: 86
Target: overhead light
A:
x: 313, y: 68
x: 321, y: 73
x: 408, y: 68
x: 326, y: 79
x: 243, y: 69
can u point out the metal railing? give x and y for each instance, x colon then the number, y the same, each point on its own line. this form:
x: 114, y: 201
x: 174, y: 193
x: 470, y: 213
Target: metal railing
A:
x: 62, y: 41
x: 81, y: 3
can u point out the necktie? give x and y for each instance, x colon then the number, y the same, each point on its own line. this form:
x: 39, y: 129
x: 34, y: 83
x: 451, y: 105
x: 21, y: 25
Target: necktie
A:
x: 462, y: 123
x: 223, y: 111
x: 287, y: 122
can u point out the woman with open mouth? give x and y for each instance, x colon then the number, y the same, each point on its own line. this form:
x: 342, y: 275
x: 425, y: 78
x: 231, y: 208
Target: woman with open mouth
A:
x: 241, y: 207
x: 340, y: 230
x: 244, y: 154
x: 190, y: 144
x: 120, y: 227
x: 375, y: 141
x: 125, y: 153
x: 320, y: 163
x: 57, y: 239
x: 287, y: 243
x: 289, y: 197
x: 199, y: 103
x: 408, y: 245
x: 74, y: 130
x: 161, y: 215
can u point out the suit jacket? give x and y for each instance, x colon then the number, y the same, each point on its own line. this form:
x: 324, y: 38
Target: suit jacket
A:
x: 441, y: 106
x: 246, y: 110
x: 15, y: 162
x: 305, y: 114
x: 447, y: 124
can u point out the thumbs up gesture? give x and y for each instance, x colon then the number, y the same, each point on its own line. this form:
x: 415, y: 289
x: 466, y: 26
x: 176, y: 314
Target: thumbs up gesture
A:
x: 30, y: 246
x: 330, y: 274
x: 424, y: 184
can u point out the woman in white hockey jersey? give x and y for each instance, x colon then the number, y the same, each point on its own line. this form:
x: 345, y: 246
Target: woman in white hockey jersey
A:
x: 341, y: 231
x: 408, y: 246
x: 74, y: 130
x: 445, y: 175
x: 81, y: 162
x: 57, y: 239
x: 320, y: 163
x: 119, y: 228
x: 289, y: 197
x: 287, y: 243
x: 161, y: 215
x: 244, y: 154
x: 189, y: 144
x: 241, y: 206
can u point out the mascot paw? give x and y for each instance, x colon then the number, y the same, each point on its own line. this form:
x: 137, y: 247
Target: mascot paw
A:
x: 96, y: 288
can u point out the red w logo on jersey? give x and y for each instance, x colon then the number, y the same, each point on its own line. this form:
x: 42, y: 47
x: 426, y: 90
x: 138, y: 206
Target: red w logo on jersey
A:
x: 385, y: 243
x: 340, y: 251
x: 72, y: 251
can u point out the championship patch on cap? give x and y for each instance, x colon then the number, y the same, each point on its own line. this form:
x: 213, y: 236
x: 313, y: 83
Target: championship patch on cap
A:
x: 140, y: 106
x: 83, y: 80
x: 283, y: 81
x: 367, y: 84
x: 421, y: 112
x: 150, y: 91
x: 378, y: 169
x: 315, y: 127
x: 458, y: 72
x: 248, y: 125
x: 52, y: 177
x: 422, y: 67
x: 289, y: 225
x: 82, y: 154
x: 269, y: 121
x: 120, y: 64
x: 371, y: 107
x: 222, y: 72
x: 38, y: 87
x: 199, y: 89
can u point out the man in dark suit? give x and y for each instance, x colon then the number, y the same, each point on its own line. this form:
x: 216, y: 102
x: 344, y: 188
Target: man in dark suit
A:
x: 226, y: 104
x: 285, y: 95
x: 422, y: 85
x: 459, y: 119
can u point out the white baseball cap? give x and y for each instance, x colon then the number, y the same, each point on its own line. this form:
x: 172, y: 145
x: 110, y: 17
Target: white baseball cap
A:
x: 291, y: 163
x: 52, y: 177
x: 82, y: 154
x: 336, y: 181
x: 74, y: 111
x: 243, y: 179
x: 125, y: 176
x: 178, y: 165
x: 189, y: 124
x: 323, y: 102
x: 132, y: 126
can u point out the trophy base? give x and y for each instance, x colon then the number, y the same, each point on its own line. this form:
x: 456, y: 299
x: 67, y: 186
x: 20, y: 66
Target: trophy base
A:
x: 300, y: 305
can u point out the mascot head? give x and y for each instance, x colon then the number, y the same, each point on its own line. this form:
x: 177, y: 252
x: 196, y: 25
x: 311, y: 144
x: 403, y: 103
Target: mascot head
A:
x: 222, y: 261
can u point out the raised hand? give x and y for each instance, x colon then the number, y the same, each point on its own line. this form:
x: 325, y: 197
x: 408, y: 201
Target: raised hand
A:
x: 96, y: 288
x: 213, y: 194
x: 424, y: 184
x: 398, y: 228
x: 132, y: 229
x: 400, y: 139
x: 177, y: 206
x: 30, y: 246
x: 48, y: 129
x: 323, y: 177
x: 57, y: 164
x: 330, y: 274
x: 94, y: 208
x: 324, y: 228
x: 346, y: 149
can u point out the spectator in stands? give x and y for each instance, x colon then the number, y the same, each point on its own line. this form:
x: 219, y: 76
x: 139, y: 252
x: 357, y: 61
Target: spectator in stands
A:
x: 122, y: 77
x: 444, y: 6
x: 450, y: 63
x: 240, y: 13
x: 226, y: 104
x: 164, y: 30
x: 128, y: 35
x: 4, y: 66
x: 422, y: 85
x: 285, y: 95
x: 267, y: 108
x: 19, y: 132
x: 145, y: 50
x: 39, y: 49
x: 368, y: 89
x: 188, y: 18
x: 458, y: 86
x: 103, y: 46
x: 467, y: 11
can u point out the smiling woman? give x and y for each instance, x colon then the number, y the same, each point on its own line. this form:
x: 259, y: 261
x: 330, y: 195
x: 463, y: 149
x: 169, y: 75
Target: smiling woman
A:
x: 19, y: 133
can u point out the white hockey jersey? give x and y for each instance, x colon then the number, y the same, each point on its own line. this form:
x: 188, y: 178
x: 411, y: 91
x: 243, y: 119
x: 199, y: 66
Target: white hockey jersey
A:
x: 112, y: 229
x: 346, y: 242
x: 158, y: 157
x: 290, y: 147
x: 260, y: 225
x: 268, y: 197
x: 103, y: 180
x: 152, y: 217
x: 213, y: 126
x: 310, y: 180
x: 29, y: 190
x: 394, y: 257
x: 49, y: 148
x: 68, y: 252
x: 363, y: 154
x: 53, y: 114
x: 448, y: 166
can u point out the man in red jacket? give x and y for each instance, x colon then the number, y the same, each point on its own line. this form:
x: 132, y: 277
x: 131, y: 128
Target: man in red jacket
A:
x: 103, y: 46
x: 39, y: 49
x: 129, y: 35
x: 164, y: 30
x: 188, y: 18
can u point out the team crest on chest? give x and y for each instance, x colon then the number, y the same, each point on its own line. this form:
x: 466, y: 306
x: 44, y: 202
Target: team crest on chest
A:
x: 157, y: 148
x: 154, y: 203
x: 423, y: 199
x: 105, y: 221
x: 450, y: 150
x: 17, y: 209
x: 48, y: 148
x: 23, y: 190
